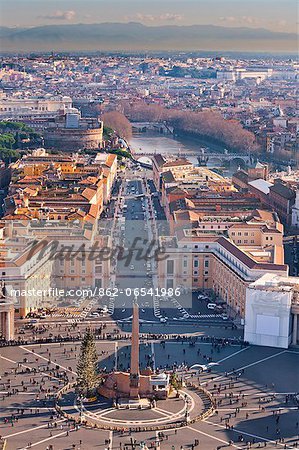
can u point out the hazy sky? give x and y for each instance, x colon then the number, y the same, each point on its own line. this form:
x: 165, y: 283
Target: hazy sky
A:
x: 278, y: 15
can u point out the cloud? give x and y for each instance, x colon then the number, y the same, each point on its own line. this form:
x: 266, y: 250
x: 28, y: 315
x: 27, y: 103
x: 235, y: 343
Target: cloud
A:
x: 145, y: 17
x: 165, y: 17
x: 250, y: 20
x: 170, y: 17
x: 60, y: 15
x: 244, y: 20
x: 229, y: 19
x: 254, y: 22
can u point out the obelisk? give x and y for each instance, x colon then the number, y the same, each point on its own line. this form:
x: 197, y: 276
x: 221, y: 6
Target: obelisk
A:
x: 134, y: 368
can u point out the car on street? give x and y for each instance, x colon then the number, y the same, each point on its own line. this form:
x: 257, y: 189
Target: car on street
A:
x: 211, y: 305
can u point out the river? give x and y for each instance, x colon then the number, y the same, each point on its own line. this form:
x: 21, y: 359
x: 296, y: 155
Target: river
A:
x: 151, y: 142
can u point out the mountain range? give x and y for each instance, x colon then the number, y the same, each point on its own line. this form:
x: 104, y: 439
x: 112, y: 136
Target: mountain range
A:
x: 137, y: 37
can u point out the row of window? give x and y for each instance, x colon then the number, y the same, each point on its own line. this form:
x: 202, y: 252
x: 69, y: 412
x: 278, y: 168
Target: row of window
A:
x: 170, y: 265
x: 241, y: 234
x: 36, y: 108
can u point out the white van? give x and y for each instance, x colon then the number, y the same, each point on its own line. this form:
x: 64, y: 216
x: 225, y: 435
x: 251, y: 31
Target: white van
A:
x: 211, y: 305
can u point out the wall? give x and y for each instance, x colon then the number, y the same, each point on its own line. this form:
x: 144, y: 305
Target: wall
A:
x: 267, y: 317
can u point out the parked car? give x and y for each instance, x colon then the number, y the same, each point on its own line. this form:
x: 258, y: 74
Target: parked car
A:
x: 211, y: 305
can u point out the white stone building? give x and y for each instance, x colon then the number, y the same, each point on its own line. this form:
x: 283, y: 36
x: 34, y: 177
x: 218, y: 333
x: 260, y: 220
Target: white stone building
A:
x: 271, y: 311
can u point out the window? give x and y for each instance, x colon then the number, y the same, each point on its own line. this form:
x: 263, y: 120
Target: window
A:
x: 206, y: 263
x: 195, y: 280
x: 170, y: 267
x: 185, y: 263
x: 195, y: 263
x: 169, y: 284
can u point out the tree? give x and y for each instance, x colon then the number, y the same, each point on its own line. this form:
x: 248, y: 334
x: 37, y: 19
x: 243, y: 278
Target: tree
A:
x: 209, y: 125
x: 119, y: 123
x: 87, y: 377
x: 7, y: 140
x: 8, y: 155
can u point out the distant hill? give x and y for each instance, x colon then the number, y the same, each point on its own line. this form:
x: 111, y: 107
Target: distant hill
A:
x: 135, y: 36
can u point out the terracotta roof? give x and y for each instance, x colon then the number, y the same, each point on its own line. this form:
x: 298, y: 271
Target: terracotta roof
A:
x: 241, y: 175
x: 110, y: 160
x: 168, y: 177
x: 282, y: 190
x: 89, y: 193
x: 159, y: 160
x: 175, y: 190
x: 93, y: 211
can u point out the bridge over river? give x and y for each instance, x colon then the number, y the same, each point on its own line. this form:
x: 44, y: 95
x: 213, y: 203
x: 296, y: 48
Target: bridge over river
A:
x: 217, y: 159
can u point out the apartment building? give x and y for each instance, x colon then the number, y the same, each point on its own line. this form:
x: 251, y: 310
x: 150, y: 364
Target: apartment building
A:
x: 50, y: 237
x: 220, y: 239
x: 57, y: 187
x: 277, y: 194
x: 37, y: 258
x: 13, y: 106
x: 108, y: 164
x: 161, y: 165
x: 213, y: 262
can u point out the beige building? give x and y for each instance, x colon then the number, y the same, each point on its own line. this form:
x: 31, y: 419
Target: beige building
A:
x: 37, y: 259
x: 211, y: 261
x: 11, y: 106
x: 161, y: 165
x: 71, y: 132
x: 108, y: 164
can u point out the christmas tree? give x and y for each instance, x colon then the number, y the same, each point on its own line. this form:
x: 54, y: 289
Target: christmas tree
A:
x: 87, y: 377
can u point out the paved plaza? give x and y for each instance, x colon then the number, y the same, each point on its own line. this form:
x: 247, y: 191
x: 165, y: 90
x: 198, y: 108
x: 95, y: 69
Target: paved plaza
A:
x: 252, y: 386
